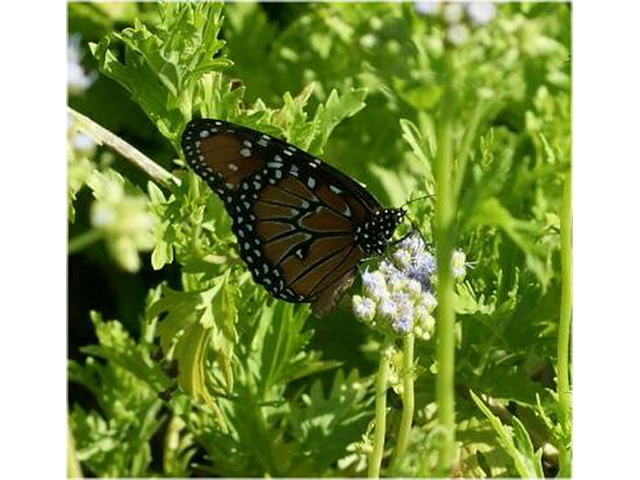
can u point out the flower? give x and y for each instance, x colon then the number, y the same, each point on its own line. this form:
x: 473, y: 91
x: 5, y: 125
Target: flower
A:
x: 481, y: 13
x: 458, y: 263
x: 456, y: 14
x: 427, y: 8
x: 387, y: 308
x: 403, y: 257
x: 82, y: 141
x: 77, y: 80
x: 403, y: 324
x: 457, y: 34
x: 375, y: 284
x: 364, y: 308
x: 453, y: 12
x: 398, y: 296
x: 429, y: 301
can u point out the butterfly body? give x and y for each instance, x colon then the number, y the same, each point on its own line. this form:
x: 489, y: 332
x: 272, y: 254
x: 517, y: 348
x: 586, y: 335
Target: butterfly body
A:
x: 302, y: 226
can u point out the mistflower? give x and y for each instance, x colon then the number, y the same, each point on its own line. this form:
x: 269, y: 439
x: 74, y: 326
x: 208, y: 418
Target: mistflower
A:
x: 398, y: 296
x: 404, y: 324
x: 457, y: 16
x: 429, y: 301
x: 82, y: 141
x: 427, y: 8
x: 77, y: 80
x: 481, y: 13
x: 453, y: 12
x: 457, y: 34
x: 458, y: 263
x: 364, y: 308
x: 374, y: 284
x: 387, y: 308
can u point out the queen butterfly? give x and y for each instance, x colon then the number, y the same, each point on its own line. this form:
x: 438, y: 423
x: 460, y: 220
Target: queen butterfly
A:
x: 302, y: 226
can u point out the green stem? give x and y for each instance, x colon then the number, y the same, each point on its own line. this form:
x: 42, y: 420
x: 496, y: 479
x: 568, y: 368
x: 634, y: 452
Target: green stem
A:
x: 404, y: 432
x: 172, y: 446
x: 84, y: 240
x: 465, y: 149
x: 375, y: 459
x: 564, y: 328
x: 445, y: 327
x: 73, y: 465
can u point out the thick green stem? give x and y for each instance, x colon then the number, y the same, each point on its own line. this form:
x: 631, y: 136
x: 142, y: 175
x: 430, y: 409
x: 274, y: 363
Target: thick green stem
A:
x: 73, y: 465
x: 445, y: 326
x: 172, y: 446
x: 564, y: 328
x: 404, y: 432
x: 375, y: 459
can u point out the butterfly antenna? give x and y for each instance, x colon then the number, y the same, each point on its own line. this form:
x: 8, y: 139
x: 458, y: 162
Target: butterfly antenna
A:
x: 424, y: 197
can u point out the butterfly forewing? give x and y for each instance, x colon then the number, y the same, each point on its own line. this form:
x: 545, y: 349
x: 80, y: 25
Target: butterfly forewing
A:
x: 295, y: 217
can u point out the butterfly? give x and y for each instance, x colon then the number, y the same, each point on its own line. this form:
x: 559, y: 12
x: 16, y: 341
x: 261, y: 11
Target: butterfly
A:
x: 302, y: 226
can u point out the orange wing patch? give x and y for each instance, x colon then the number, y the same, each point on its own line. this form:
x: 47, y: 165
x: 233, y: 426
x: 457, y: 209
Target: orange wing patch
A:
x: 334, y: 200
x: 296, y: 187
x: 320, y: 250
x: 273, y: 194
x: 277, y: 249
x: 269, y: 211
x: 326, y: 220
x: 309, y: 278
x: 347, y: 263
x: 268, y: 230
x: 230, y: 157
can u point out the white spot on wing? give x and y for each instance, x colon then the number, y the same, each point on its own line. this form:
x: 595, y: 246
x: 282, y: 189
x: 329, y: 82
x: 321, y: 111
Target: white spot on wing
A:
x: 245, y: 152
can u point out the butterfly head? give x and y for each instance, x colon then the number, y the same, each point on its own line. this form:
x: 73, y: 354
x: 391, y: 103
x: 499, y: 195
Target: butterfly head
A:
x: 375, y: 234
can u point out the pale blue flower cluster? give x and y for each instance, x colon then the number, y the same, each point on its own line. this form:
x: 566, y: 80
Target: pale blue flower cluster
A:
x: 399, y: 295
x: 454, y: 14
x: 77, y: 79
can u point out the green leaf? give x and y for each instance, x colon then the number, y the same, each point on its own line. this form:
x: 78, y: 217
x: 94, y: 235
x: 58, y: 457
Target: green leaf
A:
x: 163, y: 69
x: 196, y: 324
x: 516, y: 442
x: 418, y: 145
x: 325, y: 425
x: 332, y: 113
x: 492, y: 212
x: 278, y: 345
x: 116, y: 440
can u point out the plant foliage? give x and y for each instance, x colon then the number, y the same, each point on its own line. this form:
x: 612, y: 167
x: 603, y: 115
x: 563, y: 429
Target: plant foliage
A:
x: 203, y: 373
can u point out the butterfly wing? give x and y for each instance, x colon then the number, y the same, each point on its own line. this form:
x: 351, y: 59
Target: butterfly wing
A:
x: 294, y: 216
